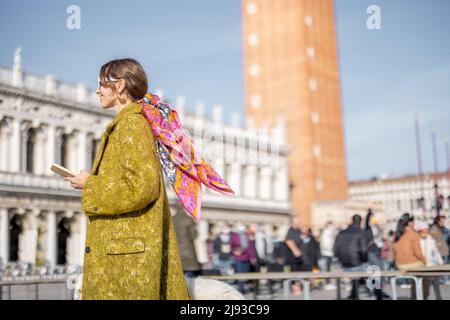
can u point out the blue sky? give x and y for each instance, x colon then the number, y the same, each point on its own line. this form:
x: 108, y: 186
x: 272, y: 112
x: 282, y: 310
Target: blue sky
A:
x: 193, y: 48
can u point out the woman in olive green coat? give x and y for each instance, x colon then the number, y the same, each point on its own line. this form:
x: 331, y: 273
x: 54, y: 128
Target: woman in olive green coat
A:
x: 131, y: 250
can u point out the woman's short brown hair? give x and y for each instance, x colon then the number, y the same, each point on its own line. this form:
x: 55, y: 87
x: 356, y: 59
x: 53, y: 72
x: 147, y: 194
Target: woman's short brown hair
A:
x: 131, y: 71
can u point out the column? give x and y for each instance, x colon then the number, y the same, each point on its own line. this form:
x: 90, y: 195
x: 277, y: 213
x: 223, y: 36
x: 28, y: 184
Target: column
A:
x: 14, y: 147
x: 3, y: 148
x: 33, y: 235
x: 234, y: 177
x: 24, y: 127
x: 76, y: 241
x: 75, y: 228
x: 50, y: 156
x: 28, y: 239
x: 40, y: 152
x: 51, y: 239
x: 89, y: 150
x: 265, y: 183
x: 4, y: 235
x: 219, y: 167
x: 5, y: 134
x: 281, y: 183
x: 82, y: 148
x: 72, y: 145
x: 200, y: 242
x: 41, y: 238
x: 250, y: 181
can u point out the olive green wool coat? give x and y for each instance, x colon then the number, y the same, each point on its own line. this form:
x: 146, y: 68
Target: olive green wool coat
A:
x: 131, y: 250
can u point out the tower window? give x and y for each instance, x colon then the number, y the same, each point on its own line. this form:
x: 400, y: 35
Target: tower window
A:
x: 253, y: 39
x: 254, y: 70
x: 310, y: 52
x: 312, y: 83
x: 256, y: 101
x: 252, y: 8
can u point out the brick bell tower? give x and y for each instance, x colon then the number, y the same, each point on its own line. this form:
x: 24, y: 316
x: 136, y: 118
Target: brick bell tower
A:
x: 291, y: 68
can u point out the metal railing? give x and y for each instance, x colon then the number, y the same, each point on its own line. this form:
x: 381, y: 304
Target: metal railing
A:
x: 37, y: 282
x: 19, y: 275
x: 50, y: 86
x: 32, y: 180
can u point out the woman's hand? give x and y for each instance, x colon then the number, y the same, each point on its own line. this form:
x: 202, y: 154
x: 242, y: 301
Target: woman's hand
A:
x: 79, y: 180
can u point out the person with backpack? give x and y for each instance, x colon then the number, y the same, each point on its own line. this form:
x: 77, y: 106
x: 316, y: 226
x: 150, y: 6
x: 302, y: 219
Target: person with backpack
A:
x: 350, y: 249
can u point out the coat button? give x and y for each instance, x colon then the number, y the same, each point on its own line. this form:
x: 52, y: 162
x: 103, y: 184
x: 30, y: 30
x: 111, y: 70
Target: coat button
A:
x: 88, y: 249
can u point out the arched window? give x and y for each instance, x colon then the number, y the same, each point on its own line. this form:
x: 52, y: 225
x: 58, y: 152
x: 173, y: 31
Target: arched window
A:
x: 63, y: 234
x: 31, y: 140
x: 399, y: 205
x: 15, y: 229
x: 64, y: 150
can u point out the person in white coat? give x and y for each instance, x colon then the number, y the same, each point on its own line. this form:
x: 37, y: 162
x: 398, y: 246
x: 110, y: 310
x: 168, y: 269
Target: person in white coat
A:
x: 431, y: 254
x: 327, y: 240
x: 428, y: 245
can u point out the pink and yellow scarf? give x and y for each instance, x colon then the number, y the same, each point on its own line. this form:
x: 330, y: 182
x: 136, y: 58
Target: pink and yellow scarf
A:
x: 185, y: 169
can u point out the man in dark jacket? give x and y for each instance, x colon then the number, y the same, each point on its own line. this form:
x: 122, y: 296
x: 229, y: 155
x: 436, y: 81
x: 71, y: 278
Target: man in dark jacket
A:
x: 310, y: 249
x: 351, y: 250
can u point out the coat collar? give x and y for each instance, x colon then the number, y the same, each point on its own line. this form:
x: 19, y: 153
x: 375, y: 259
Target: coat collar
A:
x: 133, y: 107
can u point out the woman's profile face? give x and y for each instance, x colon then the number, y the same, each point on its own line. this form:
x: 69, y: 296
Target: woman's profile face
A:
x: 106, y: 95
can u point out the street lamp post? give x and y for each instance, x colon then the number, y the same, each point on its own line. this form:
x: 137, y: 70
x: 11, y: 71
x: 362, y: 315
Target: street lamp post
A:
x: 437, y: 202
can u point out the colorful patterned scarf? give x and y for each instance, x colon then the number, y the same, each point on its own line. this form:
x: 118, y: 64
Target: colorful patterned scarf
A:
x: 184, y: 168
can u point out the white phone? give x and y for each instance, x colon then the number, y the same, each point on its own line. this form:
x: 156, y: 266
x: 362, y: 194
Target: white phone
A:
x: 64, y: 172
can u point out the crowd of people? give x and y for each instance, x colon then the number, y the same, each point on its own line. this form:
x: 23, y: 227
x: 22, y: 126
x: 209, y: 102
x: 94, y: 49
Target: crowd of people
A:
x: 236, y: 248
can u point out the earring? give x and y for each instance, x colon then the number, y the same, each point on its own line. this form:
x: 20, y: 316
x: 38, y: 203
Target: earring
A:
x: 120, y: 98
